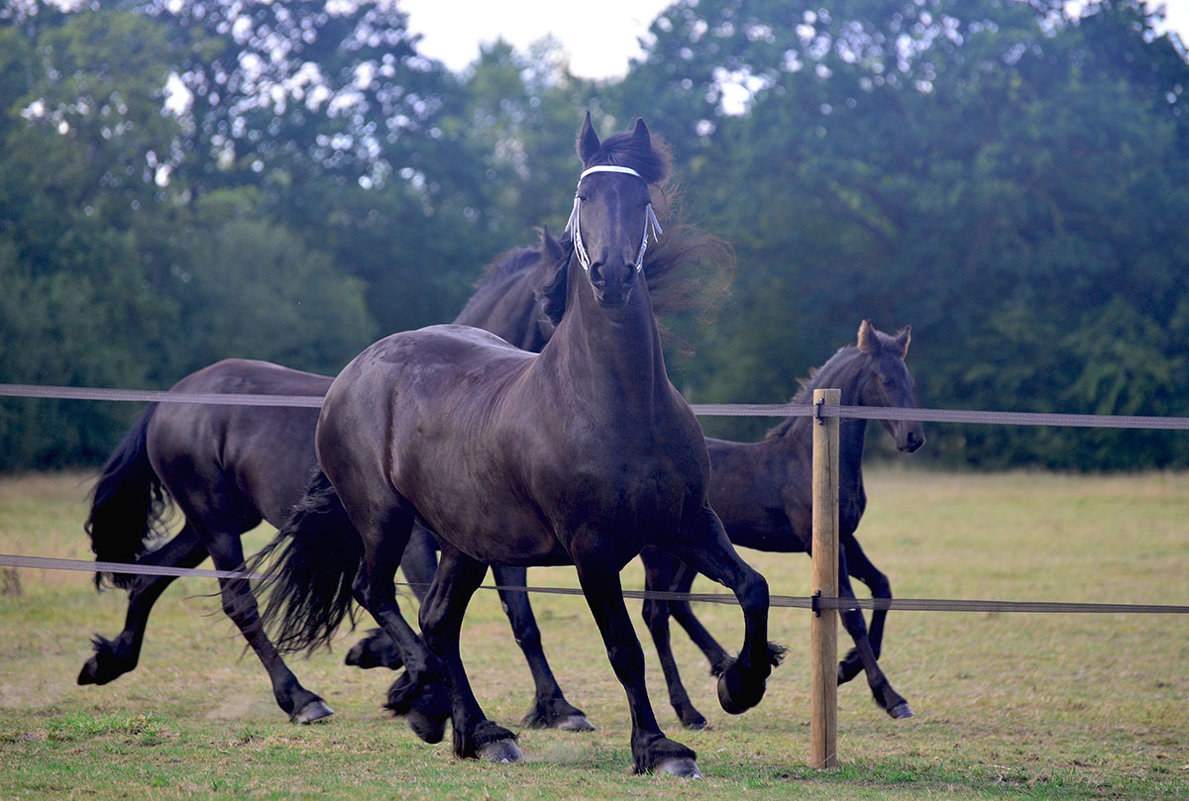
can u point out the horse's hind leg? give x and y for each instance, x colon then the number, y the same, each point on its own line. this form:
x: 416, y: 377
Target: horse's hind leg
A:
x: 239, y: 603
x: 421, y: 693
x: 441, y: 617
x: 704, y: 546
x: 662, y: 571
x: 860, y: 567
x: 888, y: 699
x: 113, y: 658
x: 418, y: 563
x: 550, y: 707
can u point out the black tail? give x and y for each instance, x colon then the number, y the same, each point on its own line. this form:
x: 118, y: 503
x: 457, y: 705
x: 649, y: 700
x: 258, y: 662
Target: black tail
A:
x: 311, y: 565
x: 128, y: 505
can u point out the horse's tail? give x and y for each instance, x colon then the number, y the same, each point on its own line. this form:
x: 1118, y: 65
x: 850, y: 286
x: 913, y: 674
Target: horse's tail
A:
x: 311, y: 565
x: 128, y: 504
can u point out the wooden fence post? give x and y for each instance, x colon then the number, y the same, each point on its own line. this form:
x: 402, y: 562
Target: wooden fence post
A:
x: 823, y: 727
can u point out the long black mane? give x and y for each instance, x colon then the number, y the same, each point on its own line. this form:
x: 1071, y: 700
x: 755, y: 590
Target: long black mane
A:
x: 838, y: 371
x: 504, y: 269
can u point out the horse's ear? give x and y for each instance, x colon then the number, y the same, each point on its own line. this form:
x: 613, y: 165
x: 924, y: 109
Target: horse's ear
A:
x: 588, y: 140
x: 641, y: 135
x: 868, y: 342
x: 903, y: 339
x: 551, y: 249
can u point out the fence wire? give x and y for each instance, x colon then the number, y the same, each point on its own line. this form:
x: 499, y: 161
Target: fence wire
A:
x: 779, y: 601
x: 702, y: 410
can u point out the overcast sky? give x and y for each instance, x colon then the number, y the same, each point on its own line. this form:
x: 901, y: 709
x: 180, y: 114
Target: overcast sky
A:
x: 600, y: 42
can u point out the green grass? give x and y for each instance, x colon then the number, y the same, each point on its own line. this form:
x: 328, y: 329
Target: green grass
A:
x: 1009, y: 706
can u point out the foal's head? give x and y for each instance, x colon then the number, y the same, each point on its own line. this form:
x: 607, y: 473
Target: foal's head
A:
x: 612, y: 219
x: 886, y: 381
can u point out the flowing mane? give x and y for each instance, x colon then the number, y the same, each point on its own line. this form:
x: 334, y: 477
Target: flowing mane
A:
x: 838, y: 370
x: 504, y: 269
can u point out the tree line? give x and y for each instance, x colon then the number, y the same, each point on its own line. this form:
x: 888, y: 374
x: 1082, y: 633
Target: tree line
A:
x: 183, y: 182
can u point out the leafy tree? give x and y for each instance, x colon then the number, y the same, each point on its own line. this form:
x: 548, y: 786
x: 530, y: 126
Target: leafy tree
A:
x: 249, y: 287
x: 1002, y: 177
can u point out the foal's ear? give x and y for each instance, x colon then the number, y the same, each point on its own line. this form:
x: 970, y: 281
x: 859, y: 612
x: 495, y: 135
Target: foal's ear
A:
x: 868, y: 341
x: 902, y: 339
x: 551, y: 249
x: 588, y: 140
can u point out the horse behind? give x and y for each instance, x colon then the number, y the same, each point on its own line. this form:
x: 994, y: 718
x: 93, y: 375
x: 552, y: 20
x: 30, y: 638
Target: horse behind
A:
x: 228, y: 467
x: 583, y: 454
x: 763, y: 493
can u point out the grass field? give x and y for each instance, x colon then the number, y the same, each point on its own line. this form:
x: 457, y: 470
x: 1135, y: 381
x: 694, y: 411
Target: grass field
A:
x: 1009, y: 706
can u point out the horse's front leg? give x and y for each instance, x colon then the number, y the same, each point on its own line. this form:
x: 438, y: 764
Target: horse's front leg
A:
x: 457, y: 578
x: 113, y: 658
x: 852, y: 619
x: 652, y: 752
x: 704, y: 546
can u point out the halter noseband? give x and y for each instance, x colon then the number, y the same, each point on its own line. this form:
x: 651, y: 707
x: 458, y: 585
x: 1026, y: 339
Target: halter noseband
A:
x: 651, y: 224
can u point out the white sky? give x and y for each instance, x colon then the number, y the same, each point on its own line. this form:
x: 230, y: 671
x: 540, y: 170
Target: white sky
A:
x: 600, y: 37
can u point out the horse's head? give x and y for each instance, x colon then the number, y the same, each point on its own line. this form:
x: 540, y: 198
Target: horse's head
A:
x: 887, y: 382
x: 612, y: 218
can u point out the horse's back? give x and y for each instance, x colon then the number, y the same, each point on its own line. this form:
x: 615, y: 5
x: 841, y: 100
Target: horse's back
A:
x: 761, y: 492
x: 254, y: 456
x: 413, y: 382
x: 413, y: 419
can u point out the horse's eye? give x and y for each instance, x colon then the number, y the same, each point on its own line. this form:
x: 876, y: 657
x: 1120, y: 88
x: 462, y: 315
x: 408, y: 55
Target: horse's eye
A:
x: 889, y: 383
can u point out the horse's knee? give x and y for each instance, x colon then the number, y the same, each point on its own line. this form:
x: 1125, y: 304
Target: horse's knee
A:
x: 879, y: 585
x: 753, y: 591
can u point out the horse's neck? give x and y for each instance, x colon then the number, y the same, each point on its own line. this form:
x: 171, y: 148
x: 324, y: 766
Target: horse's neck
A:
x: 852, y: 432
x: 610, y: 351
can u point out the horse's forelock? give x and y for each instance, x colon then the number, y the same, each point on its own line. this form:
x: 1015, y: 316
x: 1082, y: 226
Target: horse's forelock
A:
x: 647, y: 157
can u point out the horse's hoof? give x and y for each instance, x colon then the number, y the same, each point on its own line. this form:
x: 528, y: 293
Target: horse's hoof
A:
x: 105, y: 664
x: 574, y: 723
x: 698, y: 724
x: 428, y: 728
x: 735, y: 695
x: 500, y: 751
x: 683, y: 767
x: 89, y: 674
x: 312, y: 712
x: 373, y: 651
x: 900, y: 711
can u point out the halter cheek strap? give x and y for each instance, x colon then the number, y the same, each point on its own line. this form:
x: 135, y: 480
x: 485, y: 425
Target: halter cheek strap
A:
x: 574, y: 227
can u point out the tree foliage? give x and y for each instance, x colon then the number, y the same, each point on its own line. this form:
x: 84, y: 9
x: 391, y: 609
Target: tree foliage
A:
x: 180, y: 182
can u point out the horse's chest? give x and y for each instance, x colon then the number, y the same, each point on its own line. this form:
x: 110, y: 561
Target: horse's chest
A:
x: 625, y: 493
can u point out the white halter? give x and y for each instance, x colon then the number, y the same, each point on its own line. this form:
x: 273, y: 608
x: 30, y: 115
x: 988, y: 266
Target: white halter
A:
x: 651, y: 224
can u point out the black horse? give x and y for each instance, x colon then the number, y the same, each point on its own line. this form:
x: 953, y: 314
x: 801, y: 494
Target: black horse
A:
x: 583, y: 454
x: 228, y: 467
x: 762, y: 493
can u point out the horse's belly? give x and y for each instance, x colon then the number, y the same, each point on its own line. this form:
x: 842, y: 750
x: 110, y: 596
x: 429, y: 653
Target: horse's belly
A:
x: 488, y: 525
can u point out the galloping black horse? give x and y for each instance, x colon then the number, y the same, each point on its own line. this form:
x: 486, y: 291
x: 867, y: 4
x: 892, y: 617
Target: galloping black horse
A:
x: 762, y: 493
x: 583, y: 454
x: 227, y: 467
